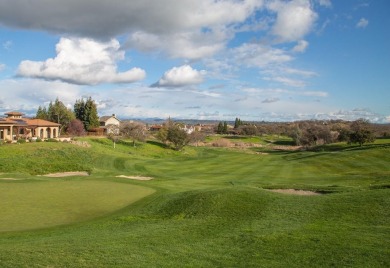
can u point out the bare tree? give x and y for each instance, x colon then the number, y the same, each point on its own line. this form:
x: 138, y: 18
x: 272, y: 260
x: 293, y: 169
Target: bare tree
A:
x: 135, y: 131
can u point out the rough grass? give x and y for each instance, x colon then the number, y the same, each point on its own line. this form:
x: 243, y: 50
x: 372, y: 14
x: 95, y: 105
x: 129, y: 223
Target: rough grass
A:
x: 211, y: 209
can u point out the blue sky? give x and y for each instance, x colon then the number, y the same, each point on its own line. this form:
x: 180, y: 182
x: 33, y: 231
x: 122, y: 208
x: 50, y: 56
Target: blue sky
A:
x: 272, y: 60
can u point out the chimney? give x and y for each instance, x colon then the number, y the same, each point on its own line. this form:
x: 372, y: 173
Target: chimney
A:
x: 114, y: 115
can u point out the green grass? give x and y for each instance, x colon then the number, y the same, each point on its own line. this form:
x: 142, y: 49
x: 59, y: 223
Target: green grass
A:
x: 211, y: 207
x: 38, y: 204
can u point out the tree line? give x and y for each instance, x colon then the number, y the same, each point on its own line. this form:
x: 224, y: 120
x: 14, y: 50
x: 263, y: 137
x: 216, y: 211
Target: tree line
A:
x: 76, y: 121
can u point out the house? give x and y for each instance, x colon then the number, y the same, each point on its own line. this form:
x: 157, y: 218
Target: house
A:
x: 14, y: 127
x: 110, y: 124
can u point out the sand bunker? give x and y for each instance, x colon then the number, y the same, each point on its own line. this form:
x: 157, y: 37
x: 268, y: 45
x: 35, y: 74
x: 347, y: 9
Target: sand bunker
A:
x: 293, y: 191
x: 67, y: 174
x: 140, y: 178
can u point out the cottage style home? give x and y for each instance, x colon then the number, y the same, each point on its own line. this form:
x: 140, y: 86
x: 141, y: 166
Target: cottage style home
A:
x: 110, y: 124
x: 14, y: 127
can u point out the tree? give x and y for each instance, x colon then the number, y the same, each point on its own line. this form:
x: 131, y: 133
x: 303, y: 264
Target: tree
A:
x: 42, y: 113
x: 86, y: 112
x: 225, y: 127
x: 76, y: 128
x: 178, y: 137
x: 57, y: 112
x: 220, y: 128
x: 196, y: 137
x: 237, y: 123
x: 136, y: 131
x: 360, y: 132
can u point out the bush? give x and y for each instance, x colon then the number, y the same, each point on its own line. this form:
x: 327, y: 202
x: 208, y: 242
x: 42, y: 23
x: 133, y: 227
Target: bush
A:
x: 21, y: 141
x: 51, y: 140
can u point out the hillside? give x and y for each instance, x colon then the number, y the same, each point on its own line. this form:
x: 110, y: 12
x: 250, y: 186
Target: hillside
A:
x: 203, y: 206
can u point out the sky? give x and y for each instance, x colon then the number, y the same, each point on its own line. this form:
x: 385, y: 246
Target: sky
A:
x: 258, y: 60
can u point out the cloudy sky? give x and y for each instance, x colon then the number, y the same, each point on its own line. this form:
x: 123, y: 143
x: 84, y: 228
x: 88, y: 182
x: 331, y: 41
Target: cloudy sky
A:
x: 258, y: 60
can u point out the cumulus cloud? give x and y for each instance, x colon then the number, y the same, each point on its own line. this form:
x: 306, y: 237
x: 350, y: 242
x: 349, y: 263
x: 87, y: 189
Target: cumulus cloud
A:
x: 294, y: 19
x: 105, y: 19
x: 181, y: 76
x: 191, y: 45
x: 82, y: 61
x: 362, y: 23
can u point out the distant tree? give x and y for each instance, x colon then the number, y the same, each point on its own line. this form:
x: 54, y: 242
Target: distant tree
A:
x: 42, y: 113
x: 237, y: 123
x: 220, y: 128
x: 162, y: 134
x: 249, y: 130
x: 86, y: 112
x: 59, y: 113
x: 196, y: 137
x: 177, y: 136
x: 76, y: 128
x: 225, y: 128
x: 135, y: 131
x: 360, y: 132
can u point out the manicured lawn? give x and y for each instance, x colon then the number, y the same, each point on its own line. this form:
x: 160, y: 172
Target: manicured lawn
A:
x: 211, y: 207
x: 34, y: 204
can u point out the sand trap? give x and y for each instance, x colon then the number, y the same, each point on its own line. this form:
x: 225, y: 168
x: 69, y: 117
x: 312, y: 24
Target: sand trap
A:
x: 140, y: 178
x: 293, y: 191
x: 67, y: 174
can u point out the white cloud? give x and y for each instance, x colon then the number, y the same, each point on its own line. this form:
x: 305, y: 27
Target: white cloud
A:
x: 258, y: 55
x: 362, y: 23
x: 287, y: 81
x: 294, y: 19
x: 301, y: 46
x: 82, y: 61
x: 181, y: 76
x: 326, y: 3
x: 27, y: 94
x: 2, y: 67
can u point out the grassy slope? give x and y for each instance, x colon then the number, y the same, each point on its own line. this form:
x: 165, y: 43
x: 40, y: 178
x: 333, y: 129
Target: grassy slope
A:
x: 211, y: 210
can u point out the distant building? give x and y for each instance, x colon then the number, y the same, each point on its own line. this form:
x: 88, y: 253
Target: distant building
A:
x: 110, y: 124
x: 14, y: 127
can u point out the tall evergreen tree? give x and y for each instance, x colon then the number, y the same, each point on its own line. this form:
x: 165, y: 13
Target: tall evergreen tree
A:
x: 86, y: 112
x: 41, y: 113
x: 225, y: 128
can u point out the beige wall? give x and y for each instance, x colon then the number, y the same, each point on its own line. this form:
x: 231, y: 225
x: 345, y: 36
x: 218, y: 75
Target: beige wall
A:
x: 7, y: 132
x: 112, y: 121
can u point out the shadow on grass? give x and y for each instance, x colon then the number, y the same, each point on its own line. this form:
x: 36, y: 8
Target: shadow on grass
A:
x: 157, y: 143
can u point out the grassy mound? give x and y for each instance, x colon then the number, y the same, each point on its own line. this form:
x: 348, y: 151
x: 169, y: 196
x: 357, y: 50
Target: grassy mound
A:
x: 227, y: 203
